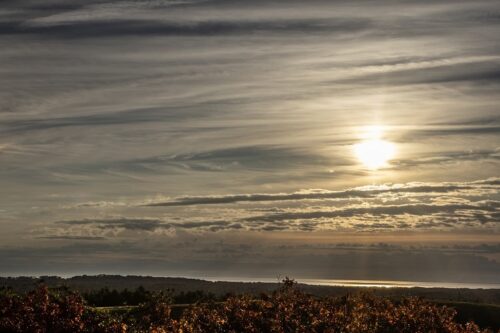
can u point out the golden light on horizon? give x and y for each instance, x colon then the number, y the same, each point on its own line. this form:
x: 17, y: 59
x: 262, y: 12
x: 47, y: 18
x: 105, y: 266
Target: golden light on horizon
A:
x: 374, y: 152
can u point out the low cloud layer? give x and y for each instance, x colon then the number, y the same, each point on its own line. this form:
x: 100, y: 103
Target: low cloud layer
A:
x: 459, y: 206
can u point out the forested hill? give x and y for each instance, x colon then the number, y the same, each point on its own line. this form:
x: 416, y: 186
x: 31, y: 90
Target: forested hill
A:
x: 87, y: 283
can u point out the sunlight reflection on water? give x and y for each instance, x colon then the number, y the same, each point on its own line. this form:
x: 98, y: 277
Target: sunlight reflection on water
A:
x: 368, y: 283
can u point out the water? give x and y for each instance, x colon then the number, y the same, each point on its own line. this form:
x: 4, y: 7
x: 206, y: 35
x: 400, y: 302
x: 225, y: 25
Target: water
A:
x: 369, y: 283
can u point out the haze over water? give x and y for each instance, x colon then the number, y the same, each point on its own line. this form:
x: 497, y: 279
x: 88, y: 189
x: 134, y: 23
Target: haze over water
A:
x: 324, y: 140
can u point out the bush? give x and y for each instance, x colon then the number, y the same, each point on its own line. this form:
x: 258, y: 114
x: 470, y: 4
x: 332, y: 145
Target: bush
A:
x: 41, y: 311
x: 290, y: 310
x: 287, y: 310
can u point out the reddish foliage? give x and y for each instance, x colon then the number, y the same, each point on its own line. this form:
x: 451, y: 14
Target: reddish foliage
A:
x: 286, y: 310
x: 41, y: 311
x: 290, y: 310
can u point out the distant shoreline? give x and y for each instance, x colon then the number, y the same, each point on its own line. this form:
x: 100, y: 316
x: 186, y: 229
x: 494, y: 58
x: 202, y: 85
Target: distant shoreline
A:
x: 344, y: 283
x: 369, y: 283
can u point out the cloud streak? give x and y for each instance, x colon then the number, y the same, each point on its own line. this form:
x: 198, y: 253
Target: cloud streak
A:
x: 122, y: 28
x: 473, y: 206
x: 361, y: 192
x: 125, y: 223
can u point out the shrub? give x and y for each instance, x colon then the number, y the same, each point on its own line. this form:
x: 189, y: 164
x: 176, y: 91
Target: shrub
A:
x: 286, y: 310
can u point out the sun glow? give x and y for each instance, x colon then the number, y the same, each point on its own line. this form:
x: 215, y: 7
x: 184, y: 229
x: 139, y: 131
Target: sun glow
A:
x: 373, y: 151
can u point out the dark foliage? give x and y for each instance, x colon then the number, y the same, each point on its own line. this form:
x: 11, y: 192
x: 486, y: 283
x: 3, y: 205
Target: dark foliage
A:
x: 107, y: 297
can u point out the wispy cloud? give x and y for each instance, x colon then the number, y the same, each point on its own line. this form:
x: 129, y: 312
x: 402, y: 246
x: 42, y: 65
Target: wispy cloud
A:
x: 94, y: 28
x: 486, y: 186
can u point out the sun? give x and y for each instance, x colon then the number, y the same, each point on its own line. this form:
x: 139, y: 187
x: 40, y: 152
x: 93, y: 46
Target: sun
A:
x: 373, y: 151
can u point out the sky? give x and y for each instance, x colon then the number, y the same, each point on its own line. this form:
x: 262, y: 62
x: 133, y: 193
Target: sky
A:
x: 217, y: 138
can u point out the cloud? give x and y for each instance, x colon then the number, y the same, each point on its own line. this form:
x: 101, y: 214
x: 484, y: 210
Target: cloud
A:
x: 451, y: 157
x: 408, y: 206
x: 122, y: 223
x: 75, y: 238
x: 125, y: 27
x: 261, y: 157
x: 412, y: 206
x: 481, y: 71
x: 360, y: 192
x: 209, y: 226
x: 404, y: 217
x: 134, y: 224
x: 108, y: 119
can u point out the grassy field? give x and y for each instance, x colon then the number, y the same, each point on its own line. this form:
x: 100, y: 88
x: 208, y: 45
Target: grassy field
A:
x: 485, y: 315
